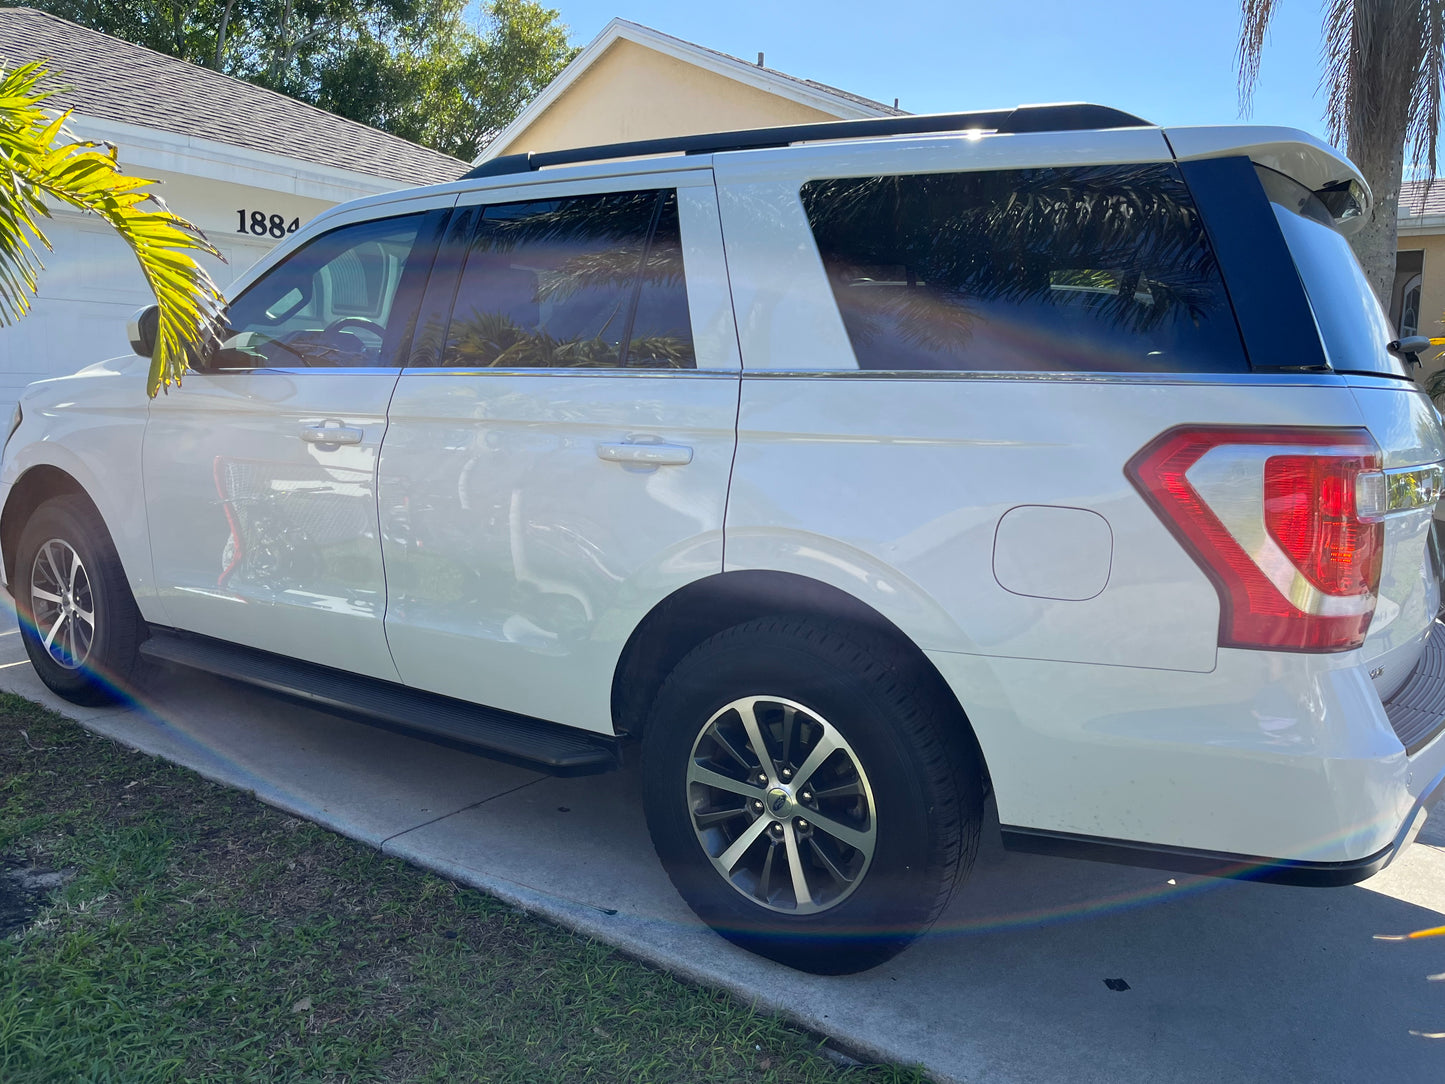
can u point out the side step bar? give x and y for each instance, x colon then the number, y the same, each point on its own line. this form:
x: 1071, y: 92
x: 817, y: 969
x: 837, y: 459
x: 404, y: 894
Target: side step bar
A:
x: 501, y: 735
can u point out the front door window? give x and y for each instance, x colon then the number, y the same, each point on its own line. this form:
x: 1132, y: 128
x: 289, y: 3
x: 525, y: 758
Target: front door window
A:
x: 329, y: 304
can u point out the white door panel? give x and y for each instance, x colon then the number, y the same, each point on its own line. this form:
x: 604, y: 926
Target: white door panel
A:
x: 518, y: 557
x: 261, y: 533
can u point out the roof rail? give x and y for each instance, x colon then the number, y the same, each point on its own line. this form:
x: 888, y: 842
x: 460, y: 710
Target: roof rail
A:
x: 1063, y: 117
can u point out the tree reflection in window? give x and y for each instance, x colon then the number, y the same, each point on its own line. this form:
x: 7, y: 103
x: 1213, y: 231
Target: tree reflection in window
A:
x: 1097, y: 269
x: 580, y: 282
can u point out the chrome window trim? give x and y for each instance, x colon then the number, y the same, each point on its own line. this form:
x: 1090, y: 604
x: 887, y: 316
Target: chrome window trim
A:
x: 299, y: 370
x: 1252, y: 379
x: 1371, y: 380
x: 443, y: 370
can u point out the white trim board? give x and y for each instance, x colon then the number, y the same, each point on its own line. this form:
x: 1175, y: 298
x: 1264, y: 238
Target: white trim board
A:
x: 177, y: 152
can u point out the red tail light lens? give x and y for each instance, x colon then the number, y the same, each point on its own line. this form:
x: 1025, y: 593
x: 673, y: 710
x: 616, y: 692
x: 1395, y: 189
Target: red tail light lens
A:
x: 1270, y: 515
x: 1309, y: 507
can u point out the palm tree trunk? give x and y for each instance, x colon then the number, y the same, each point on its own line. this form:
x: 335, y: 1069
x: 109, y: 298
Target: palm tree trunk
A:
x: 1376, y: 59
x: 1379, y: 150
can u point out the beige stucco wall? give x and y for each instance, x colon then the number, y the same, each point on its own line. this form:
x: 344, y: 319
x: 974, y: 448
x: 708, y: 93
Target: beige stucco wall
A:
x: 1432, y: 294
x: 632, y: 92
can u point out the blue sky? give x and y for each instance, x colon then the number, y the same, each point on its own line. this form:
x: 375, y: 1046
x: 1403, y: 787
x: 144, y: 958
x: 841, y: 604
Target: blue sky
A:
x: 1169, y: 61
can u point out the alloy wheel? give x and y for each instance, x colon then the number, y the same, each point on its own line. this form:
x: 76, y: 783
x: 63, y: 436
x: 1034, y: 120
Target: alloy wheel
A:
x: 62, y: 603
x: 781, y: 805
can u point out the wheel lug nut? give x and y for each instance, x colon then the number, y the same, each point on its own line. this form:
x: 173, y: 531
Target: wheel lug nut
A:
x: 787, y: 773
x: 777, y: 830
x: 757, y: 805
x: 802, y: 825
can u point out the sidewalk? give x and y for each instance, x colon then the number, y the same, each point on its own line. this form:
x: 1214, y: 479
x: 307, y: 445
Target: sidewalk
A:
x: 1225, y: 981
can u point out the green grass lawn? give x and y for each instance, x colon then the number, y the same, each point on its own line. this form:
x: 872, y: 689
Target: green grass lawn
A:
x: 200, y: 935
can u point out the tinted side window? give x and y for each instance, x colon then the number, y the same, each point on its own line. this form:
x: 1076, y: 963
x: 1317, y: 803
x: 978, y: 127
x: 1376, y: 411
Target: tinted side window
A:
x: 579, y: 282
x: 333, y: 302
x: 1100, y: 269
x: 1352, y: 325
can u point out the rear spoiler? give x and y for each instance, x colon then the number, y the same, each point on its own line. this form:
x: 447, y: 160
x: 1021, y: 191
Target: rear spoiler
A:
x: 1298, y: 155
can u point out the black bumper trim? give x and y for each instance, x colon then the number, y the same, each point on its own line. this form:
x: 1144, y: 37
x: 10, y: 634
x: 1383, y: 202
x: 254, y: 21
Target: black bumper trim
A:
x: 1417, y: 709
x: 1280, y: 871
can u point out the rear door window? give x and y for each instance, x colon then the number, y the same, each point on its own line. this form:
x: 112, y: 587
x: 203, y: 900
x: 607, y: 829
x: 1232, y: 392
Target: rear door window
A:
x: 1097, y: 269
x: 591, y: 281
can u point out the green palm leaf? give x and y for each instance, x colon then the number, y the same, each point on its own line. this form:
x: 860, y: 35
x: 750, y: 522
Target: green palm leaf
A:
x: 40, y: 161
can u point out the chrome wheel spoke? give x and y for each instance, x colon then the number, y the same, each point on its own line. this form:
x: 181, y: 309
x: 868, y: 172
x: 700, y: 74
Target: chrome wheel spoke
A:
x: 710, y: 817
x: 851, y: 789
x: 795, y: 867
x: 790, y: 716
x: 52, y: 565
x: 709, y: 778
x: 733, y: 855
x: 45, y: 596
x: 755, y: 738
x: 50, y: 636
x: 826, y: 861
x: 828, y: 744
x: 858, y: 838
x: 725, y: 743
x: 765, y: 879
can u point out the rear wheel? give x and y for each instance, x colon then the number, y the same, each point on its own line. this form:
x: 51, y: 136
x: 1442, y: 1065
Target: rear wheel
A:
x: 78, y: 620
x: 810, y: 795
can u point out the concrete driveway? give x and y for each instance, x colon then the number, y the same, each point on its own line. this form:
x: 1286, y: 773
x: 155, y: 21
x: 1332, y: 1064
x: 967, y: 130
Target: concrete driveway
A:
x: 1225, y: 981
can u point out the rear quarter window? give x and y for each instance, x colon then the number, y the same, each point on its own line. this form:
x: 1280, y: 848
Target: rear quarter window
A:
x: 1352, y: 326
x: 1097, y: 269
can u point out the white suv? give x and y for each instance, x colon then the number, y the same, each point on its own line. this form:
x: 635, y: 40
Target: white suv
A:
x: 855, y: 469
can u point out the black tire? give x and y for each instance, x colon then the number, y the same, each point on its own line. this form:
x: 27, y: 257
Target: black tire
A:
x: 100, y: 668
x: 915, y: 763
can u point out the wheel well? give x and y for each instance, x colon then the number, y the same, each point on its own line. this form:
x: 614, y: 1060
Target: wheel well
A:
x: 702, y: 609
x: 34, y: 487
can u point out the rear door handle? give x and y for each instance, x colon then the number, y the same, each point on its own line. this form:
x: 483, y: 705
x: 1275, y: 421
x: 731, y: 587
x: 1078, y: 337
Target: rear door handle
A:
x: 646, y: 455
x: 331, y: 434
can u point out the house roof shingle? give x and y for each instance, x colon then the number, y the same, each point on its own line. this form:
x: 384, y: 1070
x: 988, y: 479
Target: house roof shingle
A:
x: 111, y: 79
x: 1422, y: 198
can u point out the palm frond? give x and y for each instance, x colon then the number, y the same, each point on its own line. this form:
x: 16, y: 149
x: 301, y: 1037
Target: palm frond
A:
x: 39, y: 160
x: 1423, y: 133
x: 1254, y: 20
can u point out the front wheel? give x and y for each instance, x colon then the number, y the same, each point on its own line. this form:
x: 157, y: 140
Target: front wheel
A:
x: 809, y: 792
x: 78, y: 620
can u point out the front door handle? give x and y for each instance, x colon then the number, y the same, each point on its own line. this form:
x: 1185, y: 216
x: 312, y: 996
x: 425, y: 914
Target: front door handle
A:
x: 646, y: 455
x: 331, y: 434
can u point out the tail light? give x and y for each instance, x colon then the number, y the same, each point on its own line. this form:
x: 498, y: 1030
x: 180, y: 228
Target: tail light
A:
x: 1285, y: 521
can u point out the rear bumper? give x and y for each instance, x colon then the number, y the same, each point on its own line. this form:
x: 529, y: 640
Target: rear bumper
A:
x: 1274, y: 766
x: 1218, y: 864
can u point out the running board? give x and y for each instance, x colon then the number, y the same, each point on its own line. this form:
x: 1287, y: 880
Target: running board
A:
x: 501, y: 735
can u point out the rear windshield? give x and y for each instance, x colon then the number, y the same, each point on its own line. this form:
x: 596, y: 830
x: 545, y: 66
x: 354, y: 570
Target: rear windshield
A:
x: 1352, y: 325
x: 1102, y: 269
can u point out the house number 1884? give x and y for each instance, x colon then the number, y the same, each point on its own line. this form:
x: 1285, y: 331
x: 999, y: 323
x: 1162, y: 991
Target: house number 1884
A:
x: 262, y: 224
